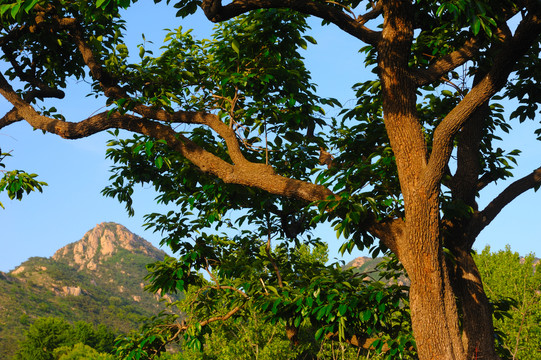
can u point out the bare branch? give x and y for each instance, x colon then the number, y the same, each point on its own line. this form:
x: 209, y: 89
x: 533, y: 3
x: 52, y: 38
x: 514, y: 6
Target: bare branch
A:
x: 216, y: 12
x: 11, y: 117
x: 485, y: 217
x: 269, y: 255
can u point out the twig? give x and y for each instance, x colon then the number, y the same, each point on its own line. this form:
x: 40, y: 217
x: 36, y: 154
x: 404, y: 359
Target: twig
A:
x: 269, y: 255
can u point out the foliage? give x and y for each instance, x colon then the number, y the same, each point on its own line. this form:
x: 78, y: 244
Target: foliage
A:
x: 17, y: 182
x: 52, y: 338
x: 80, y: 351
x: 516, y: 281
x: 314, y: 304
x: 230, y: 131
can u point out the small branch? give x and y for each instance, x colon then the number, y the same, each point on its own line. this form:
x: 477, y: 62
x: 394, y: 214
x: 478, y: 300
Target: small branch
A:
x: 485, y: 217
x: 486, y: 179
x: 183, y: 327
x: 264, y: 287
x: 222, y: 318
x: 372, y: 14
x: 227, y: 287
x: 211, y: 274
x: 269, y: 255
x: 342, y: 6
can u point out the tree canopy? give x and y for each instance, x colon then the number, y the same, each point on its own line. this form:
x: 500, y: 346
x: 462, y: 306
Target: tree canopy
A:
x: 55, y: 338
x: 231, y: 131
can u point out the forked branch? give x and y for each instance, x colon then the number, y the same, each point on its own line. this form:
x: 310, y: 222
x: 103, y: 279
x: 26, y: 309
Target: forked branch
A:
x: 510, y: 52
x: 517, y: 188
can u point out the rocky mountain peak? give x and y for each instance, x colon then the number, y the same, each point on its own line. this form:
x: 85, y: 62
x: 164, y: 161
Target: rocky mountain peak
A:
x: 100, y: 243
x: 360, y: 261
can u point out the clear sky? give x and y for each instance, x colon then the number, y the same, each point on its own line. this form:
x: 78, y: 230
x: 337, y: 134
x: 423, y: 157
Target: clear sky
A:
x: 76, y: 170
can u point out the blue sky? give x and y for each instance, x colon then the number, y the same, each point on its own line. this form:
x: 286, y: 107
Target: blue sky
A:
x: 76, y: 170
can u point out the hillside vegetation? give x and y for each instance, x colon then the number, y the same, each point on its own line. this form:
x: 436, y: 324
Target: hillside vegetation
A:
x: 98, y: 279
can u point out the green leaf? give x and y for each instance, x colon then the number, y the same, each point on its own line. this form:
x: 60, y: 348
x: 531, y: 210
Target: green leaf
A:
x: 15, y: 10
x: 236, y: 46
x: 30, y: 5
x: 159, y: 162
x: 447, y: 93
x: 476, y: 25
x: 100, y: 3
x: 310, y: 39
x: 319, y: 332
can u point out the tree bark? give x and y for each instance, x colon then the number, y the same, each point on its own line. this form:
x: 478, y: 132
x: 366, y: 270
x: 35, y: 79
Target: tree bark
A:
x: 433, y: 307
x: 434, y: 315
x: 477, y: 325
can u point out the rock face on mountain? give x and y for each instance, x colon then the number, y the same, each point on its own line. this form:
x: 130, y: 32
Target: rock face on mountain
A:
x: 100, y: 243
x: 98, y: 279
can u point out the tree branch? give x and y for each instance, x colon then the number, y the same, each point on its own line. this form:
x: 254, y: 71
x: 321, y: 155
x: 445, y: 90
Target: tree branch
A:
x: 11, y: 117
x: 446, y: 63
x: 460, y: 56
x: 376, y: 11
x: 482, y: 219
x: 510, y: 52
x: 388, y: 232
x: 216, y: 12
x: 464, y: 182
x: 243, y: 173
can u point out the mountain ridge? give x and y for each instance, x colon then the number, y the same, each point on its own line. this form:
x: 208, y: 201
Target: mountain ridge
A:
x: 104, y: 239
x: 98, y: 279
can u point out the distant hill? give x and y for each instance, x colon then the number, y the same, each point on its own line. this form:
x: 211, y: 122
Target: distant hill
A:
x: 363, y: 263
x: 98, y: 279
x: 367, y: 265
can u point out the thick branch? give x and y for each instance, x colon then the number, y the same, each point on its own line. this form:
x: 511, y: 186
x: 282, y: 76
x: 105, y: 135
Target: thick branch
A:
x: 216, y: 12
x: 97, y: 71
x: 460, y: 56
x: 464, y: 182
x: 485, y: 217
x: 245, y: 173
x: 447, y: 63
x: 11, y: 117
x: 389, y: 233
x: 511, y: 51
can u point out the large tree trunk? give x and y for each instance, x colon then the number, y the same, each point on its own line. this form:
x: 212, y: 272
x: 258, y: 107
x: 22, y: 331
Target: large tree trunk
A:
x: 433, y: 294
x: 434, y: 314
x: 477, y: 325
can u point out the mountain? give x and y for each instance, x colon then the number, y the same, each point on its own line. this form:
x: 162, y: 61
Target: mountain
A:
x: 363, y: 263
x: 98, y: 279
x: 367, y: 265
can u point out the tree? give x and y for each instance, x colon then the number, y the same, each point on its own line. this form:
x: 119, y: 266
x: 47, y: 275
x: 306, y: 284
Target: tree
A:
x: 80, y: 351
x: 514, y: 280
x: 52, y: 338
x: 251, y: 130
x: 43, y: 337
